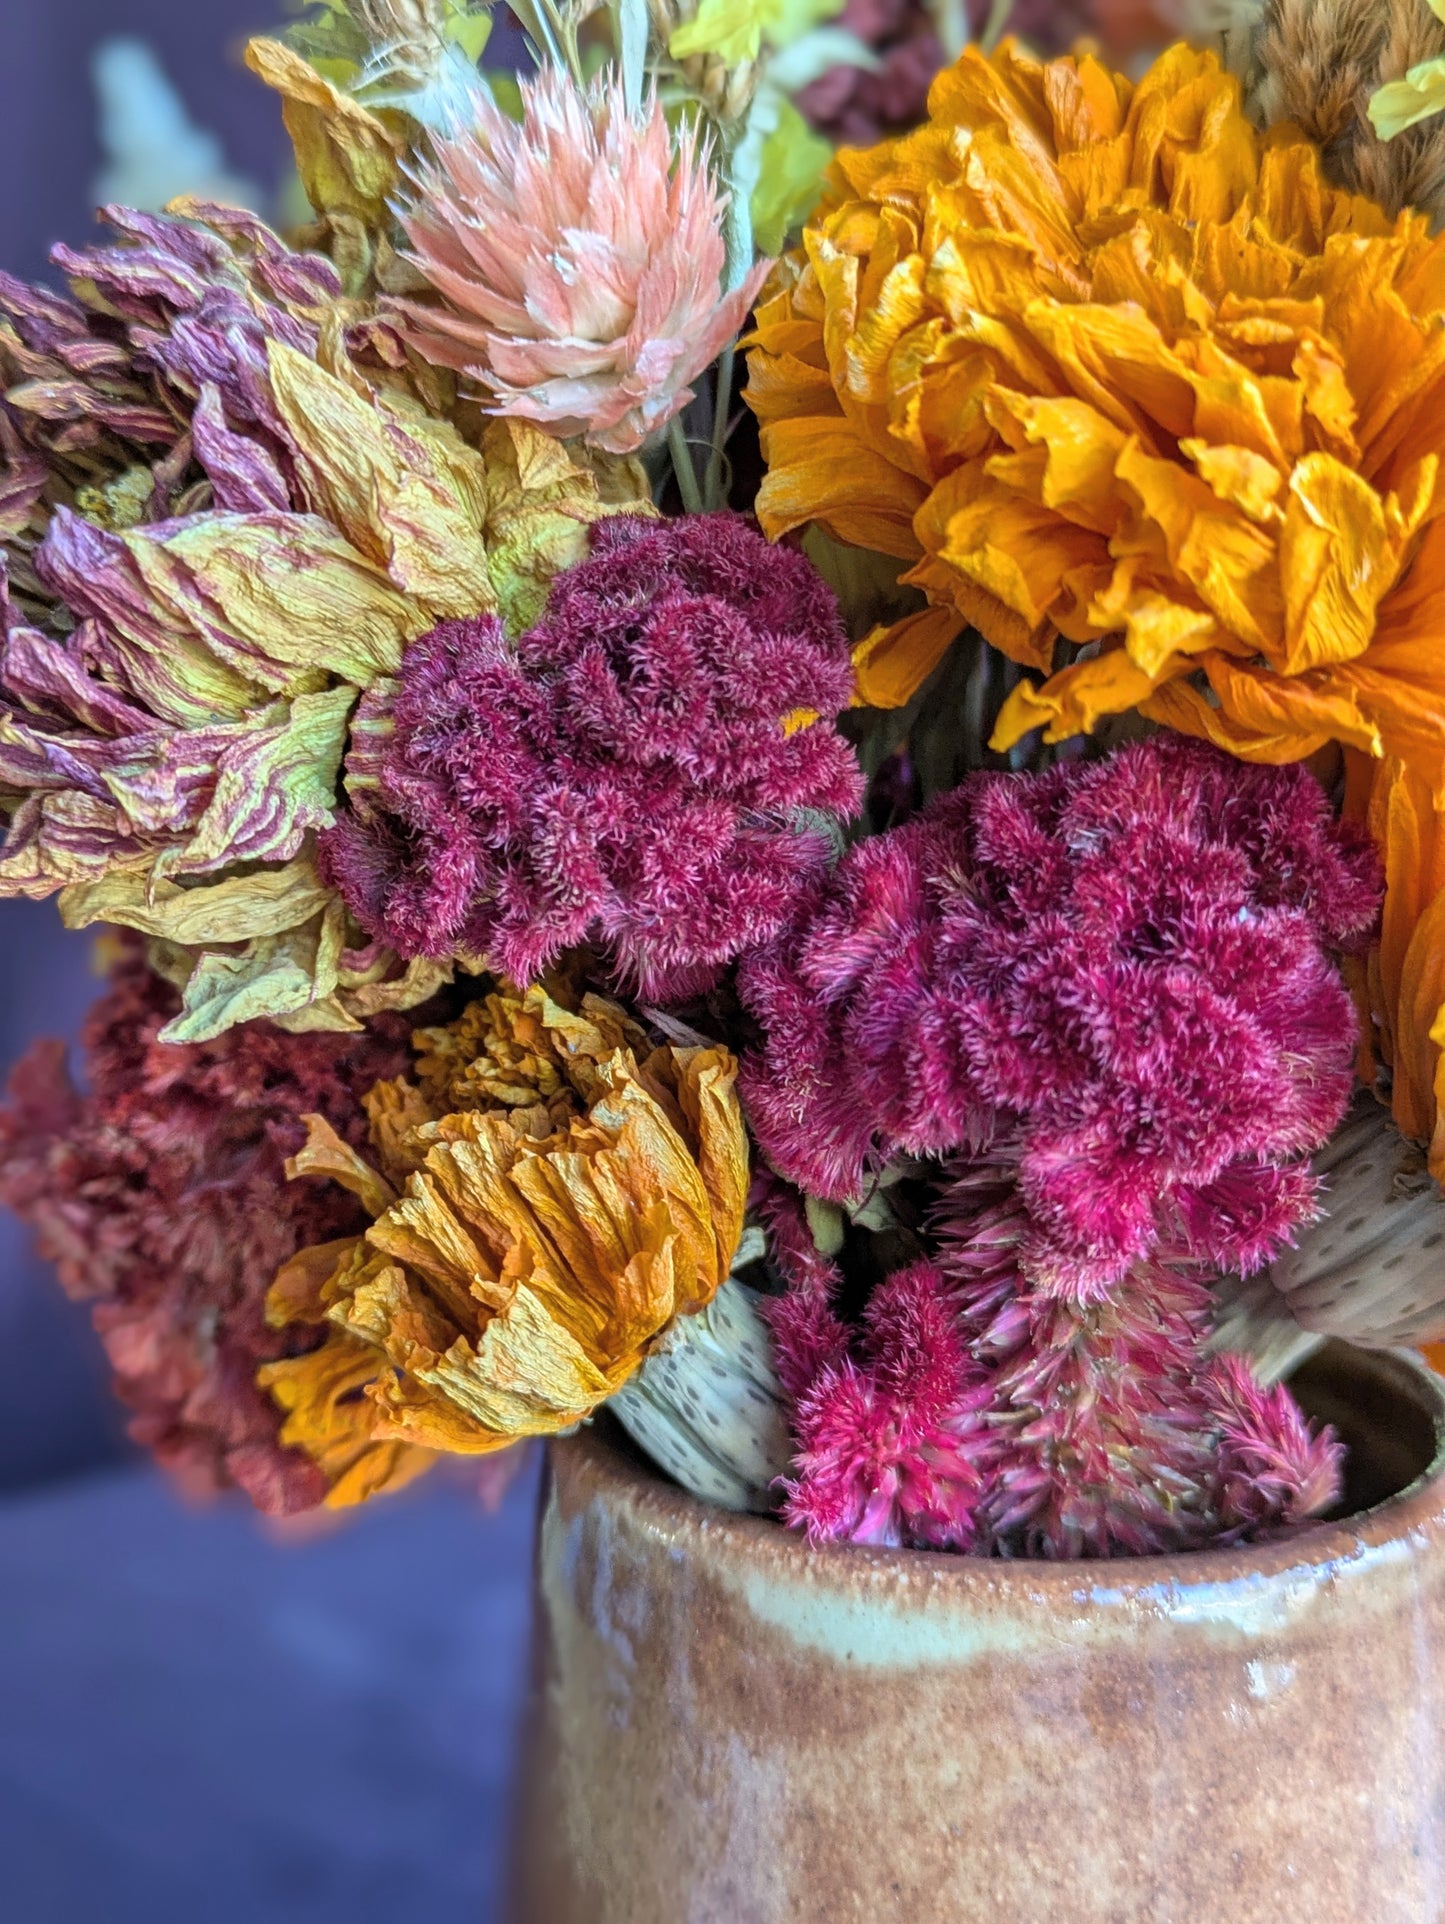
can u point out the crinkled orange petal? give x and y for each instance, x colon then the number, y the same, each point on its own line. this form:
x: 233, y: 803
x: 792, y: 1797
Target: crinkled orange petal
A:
x: 325, y: 1154
x: 1073, y: 701
x: 891, y: 664
x: 329, y: 1418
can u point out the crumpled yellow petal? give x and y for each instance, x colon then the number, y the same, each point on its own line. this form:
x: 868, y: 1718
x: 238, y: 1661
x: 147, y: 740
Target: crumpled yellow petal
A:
x: 349, y: 159
x: 325, y: 1154
x: 547, y: 1231
x: 539, y: 504
x: 328, y: 1418
x: 409, y: 494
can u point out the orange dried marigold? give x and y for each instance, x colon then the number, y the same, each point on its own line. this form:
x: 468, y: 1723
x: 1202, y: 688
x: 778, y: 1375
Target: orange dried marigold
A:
x: 1115, y: 372
x: 549, y: 1194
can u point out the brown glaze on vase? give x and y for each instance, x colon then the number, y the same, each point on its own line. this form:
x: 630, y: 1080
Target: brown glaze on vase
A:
x: 733, y: 1729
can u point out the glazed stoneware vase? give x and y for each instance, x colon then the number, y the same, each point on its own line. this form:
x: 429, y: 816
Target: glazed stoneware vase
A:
x: 733, y: 1729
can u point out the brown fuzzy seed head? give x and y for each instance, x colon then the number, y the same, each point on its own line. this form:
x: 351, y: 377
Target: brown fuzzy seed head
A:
x: 1319, y: 63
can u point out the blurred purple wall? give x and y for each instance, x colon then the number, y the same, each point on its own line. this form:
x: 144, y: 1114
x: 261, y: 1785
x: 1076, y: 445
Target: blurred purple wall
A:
x: 48, y: 148
x: 56, y: 1415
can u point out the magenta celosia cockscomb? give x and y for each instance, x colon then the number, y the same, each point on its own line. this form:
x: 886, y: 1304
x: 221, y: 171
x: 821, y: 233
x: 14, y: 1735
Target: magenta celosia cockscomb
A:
x: 970, y: 1409
x: 578, y: 258
x: 1124, y: 966
x: 644, y: 771
x: 888, y: 1438
x: 1108, y: 1427
x: 160, y: 1192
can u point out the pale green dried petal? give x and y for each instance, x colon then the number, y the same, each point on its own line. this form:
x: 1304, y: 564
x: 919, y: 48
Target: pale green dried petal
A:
x: 408, y: 495
x: 276, y: 976
x: 238, y: 908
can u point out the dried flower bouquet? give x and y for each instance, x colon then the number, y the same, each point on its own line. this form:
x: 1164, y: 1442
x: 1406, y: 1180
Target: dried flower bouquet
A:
x: 893, y: 937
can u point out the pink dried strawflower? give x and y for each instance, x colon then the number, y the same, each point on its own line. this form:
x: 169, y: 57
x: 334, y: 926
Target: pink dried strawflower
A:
x: 160, y: 1193
x: 1122, y: 967
x: 637, y: 773
x: 579, y: 259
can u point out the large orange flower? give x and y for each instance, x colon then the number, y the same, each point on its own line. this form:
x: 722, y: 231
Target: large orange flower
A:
x: 1140, y: 397
x: 552, y: 1193
x: 1406, y: 972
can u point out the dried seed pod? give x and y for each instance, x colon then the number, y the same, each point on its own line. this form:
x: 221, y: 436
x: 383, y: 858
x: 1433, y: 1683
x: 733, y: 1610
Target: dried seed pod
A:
x: 707, y: 1407
x: 1319, y: 63
x: 1372, y: 1270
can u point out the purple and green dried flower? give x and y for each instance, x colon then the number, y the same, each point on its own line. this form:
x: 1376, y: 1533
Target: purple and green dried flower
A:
x: 232, y: 527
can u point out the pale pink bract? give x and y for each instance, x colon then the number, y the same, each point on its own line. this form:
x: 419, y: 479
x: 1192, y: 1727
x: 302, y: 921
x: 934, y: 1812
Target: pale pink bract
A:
x: 579, y: 260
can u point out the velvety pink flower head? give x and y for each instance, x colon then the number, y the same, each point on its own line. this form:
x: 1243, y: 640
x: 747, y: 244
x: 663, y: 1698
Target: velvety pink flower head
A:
x: 968, y: 1409
x: 578, y: 256
x: 160, y: 1193
x: 644, y: 772
x: 886, y: 1436
x: 1123, y: 968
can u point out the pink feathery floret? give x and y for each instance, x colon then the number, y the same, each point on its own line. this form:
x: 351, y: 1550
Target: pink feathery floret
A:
x: 970, y: 1409
x: 883, y: 1437
x: 1123, y: 967
x: 577, y: 258
x: 807, y: 1332
x: 646, y: 771
x: 160, y: 1193
x: 1273, y: 1471
x: 1109, y: 1428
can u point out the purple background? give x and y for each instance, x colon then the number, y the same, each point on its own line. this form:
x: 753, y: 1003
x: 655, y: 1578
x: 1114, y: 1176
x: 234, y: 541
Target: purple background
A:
x: 200, y: 1720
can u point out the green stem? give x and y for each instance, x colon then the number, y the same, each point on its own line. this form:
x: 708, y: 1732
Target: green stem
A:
x: 682, y: 466
x: 950, y: 20
x: 713, y: 491
x: 997, y: 20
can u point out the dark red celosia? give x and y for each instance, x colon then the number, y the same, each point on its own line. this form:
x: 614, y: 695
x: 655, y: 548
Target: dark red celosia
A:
x: 856, y: 106
x: 641, y: 772
x: 160, y: 1194
x: 1121, y: 970
x: 972, y: 1410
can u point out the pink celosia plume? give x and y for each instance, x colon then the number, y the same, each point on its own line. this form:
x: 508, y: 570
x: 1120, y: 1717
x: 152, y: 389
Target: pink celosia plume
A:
x: 1122, y: 968
x: 886, y: 1443
x: 578, y: 257
x: 639, y: 772
x: 970, y: 1409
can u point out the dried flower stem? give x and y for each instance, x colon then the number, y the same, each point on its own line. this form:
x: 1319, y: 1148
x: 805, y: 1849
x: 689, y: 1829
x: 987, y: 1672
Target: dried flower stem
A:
x: 998, y: 19
x: 682, y: 466
x: 714, y: 490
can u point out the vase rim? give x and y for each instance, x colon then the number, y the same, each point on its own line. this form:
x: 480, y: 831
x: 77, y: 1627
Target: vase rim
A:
x: 618, y: 1474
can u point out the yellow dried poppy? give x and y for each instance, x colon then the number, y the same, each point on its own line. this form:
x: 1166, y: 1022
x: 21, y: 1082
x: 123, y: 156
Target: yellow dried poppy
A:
x: 552, y: 1194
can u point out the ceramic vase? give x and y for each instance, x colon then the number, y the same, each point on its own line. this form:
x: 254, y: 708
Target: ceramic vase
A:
x: 731, y: 1728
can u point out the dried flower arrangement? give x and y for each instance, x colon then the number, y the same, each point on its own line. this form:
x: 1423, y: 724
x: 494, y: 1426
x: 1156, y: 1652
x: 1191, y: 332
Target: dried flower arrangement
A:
x: 859, y: 932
